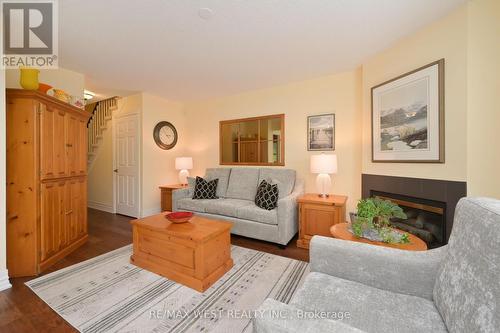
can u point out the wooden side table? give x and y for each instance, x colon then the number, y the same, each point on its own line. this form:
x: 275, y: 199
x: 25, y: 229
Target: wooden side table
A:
x: 166, y: 195
x: 317, y: 215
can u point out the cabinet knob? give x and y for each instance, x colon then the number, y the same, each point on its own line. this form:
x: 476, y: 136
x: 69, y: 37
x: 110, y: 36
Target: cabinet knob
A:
x: 115, y: 170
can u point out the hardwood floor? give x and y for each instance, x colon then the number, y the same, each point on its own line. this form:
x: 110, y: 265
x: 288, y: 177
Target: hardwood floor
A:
x: 22, y: 311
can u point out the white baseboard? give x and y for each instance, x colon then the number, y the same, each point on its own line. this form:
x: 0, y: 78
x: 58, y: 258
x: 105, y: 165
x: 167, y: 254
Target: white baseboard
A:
x: 150, y: 211
x: 4, y: 280
x: 100, y: 206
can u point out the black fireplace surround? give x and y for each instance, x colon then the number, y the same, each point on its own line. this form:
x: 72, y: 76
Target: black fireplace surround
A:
x: 443, y: 193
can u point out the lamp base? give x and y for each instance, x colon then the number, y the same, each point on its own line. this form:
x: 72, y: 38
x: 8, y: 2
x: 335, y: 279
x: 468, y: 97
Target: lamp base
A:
x: 183, y: 174
x: 323, y: 184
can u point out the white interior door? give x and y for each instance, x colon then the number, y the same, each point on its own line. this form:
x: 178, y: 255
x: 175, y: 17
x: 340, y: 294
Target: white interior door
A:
x: 127, y: 165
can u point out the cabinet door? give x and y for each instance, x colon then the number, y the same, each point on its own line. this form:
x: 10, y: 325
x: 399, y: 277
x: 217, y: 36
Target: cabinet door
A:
x: 52, y: 145
x: 53, y: 231
x: 75, y: 209
x: 80, y: 204
x: 72, y: 149
x: 71, y: 213
x: 59, y: 144
x: 82, y: 147
x: 46, y: 142
x: 317, y: 219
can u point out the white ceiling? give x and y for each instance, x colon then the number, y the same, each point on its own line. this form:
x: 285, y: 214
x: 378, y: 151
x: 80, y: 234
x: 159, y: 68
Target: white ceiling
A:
x: 166, y: 48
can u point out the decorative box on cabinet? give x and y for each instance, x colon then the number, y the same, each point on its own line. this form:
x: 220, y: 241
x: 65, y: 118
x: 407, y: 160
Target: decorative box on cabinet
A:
x: 46, y: 180
x: 317, y: 215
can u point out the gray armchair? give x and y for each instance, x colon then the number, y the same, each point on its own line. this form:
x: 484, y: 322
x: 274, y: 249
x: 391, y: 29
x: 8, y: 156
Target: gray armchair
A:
x: 454, y: 288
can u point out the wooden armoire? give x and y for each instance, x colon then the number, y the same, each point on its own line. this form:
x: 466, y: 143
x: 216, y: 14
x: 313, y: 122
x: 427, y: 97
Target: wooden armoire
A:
x: 46, y: 180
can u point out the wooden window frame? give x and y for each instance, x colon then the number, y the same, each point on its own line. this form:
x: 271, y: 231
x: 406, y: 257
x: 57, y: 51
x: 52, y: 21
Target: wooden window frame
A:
x: 281, y: 117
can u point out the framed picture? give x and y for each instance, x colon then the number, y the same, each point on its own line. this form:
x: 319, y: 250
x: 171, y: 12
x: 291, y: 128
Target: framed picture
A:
x: 321, y: 132
x: 408, y: 117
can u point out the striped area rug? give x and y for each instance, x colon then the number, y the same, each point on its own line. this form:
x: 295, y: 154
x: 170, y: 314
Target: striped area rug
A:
x: 108, y: 294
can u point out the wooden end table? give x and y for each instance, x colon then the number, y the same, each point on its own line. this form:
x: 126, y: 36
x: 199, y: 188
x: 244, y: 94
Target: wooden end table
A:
x: 196, y: 253
x: 317, y: 215
x: 341, y: 231
x: 166, y: 195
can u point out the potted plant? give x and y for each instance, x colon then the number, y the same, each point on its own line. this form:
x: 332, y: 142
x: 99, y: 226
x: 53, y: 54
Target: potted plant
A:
x: 372, y: 221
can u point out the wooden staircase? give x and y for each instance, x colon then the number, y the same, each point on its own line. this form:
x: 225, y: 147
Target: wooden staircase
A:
x: 102, y: 113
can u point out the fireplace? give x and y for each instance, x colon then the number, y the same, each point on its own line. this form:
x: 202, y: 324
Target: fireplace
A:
x: 428, y: 203
x: 426, y: 219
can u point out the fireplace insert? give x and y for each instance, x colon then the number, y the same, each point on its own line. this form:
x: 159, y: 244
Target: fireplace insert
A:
x: 426, y: 219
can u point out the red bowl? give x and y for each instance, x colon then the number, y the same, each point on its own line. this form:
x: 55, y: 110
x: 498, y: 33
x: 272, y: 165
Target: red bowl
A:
x: 179, y: 217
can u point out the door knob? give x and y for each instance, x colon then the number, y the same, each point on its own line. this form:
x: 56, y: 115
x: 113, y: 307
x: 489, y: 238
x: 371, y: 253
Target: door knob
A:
x: 115, y: 170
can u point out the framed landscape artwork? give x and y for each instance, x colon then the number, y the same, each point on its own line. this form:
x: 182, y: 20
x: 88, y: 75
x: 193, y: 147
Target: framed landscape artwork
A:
x: 408, y: 117
x: 321, y: 132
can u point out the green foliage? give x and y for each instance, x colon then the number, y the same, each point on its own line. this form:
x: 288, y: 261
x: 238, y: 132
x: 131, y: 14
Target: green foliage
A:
x: 387, y: 235
x: 367, y: 209
x: 405, y: 239
x: 361, y: 224
x: 375, y: 213
x: 376, y: 207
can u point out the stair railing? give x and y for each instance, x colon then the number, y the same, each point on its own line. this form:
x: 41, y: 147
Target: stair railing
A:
x: 97, y: 123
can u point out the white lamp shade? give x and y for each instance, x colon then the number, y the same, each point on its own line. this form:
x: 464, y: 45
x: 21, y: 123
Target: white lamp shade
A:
x: 183, y: 163
x: 324, y: 163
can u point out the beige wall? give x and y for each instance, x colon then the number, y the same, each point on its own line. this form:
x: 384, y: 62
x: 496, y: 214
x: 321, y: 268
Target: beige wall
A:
x: 158, y: 164
x: 100, y: 174
x: 446, y: 38
x: 71, y: 82
x: 339, y: 94
x: 483, y: 118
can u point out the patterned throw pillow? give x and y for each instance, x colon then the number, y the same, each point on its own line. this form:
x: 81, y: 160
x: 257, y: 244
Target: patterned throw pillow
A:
x: 267, y: 195
x: 205, y: 189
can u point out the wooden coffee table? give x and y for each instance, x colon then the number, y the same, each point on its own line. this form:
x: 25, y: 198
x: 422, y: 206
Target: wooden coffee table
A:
x: 341, y: 231
x: 196, y: 253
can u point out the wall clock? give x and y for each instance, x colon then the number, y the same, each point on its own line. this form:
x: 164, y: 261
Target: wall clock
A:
x: 165, y: 135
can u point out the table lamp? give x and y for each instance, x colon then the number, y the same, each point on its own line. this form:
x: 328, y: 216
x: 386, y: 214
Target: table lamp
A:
x: 324, y: 165
x: 183, y: 164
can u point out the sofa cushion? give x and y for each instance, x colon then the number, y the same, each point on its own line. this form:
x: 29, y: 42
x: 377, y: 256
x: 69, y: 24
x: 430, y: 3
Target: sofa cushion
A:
x: 254, y: 213
x: 223, y: 175
x: 243, y: 183
x: 370, y: 309
x: 194, y: 205
x: 227, y: 207
x: 285, y: 178
x: 191, y: 184
x: 467, y: 288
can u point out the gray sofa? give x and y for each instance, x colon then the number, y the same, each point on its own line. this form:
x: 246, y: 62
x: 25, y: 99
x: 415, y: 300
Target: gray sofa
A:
x: 236, y: 191
x: 455, y: 288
